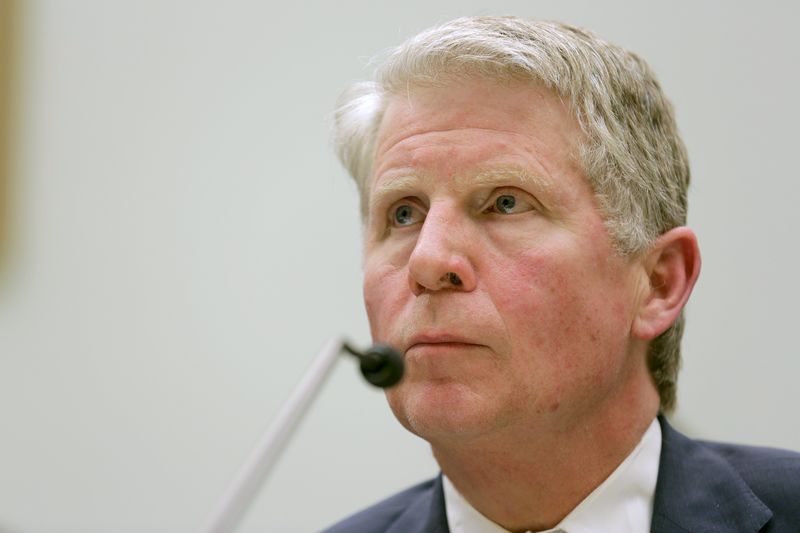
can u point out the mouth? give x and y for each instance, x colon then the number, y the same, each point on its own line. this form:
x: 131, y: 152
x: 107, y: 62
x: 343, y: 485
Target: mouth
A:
x: 445, y: 357
x: 441, y: 341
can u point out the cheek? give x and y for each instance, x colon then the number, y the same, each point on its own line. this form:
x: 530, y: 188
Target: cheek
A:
x: 384, y: 295
x: 528, y: 286
x: 564, y: 306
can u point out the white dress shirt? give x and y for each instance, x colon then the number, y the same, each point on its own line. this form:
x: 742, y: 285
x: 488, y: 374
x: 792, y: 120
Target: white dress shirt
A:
x: 623, y: 503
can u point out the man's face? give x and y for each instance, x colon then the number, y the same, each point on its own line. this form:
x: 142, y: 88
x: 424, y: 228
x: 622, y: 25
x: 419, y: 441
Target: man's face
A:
x: 482, y: 180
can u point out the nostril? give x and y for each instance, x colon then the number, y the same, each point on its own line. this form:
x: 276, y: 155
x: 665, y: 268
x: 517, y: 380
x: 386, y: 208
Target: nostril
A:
x: 452, y: 278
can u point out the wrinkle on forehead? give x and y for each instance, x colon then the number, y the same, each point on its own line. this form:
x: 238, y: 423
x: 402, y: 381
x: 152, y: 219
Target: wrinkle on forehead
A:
x: 459, y: 111
x: 413, y: 131
x: 464, y: 182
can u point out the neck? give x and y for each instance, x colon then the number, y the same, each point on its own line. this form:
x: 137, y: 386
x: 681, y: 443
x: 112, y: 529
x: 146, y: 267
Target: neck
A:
x: 532, y: 479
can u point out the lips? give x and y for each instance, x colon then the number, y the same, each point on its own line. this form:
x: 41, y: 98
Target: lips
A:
x: 440, y: 339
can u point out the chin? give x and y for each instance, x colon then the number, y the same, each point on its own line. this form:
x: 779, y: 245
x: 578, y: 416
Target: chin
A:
x: 435, y: 411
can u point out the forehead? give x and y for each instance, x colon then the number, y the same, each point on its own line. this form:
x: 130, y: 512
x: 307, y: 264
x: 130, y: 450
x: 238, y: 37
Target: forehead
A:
x: 462, y: 102
x: 476, y: 126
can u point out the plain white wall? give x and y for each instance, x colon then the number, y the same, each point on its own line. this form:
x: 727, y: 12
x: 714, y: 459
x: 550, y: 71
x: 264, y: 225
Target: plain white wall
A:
x: 185, y: 243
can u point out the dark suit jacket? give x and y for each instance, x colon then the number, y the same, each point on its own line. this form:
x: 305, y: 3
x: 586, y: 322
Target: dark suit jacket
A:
x: 702, y: 487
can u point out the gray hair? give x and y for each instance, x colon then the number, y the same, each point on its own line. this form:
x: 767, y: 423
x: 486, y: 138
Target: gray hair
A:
x: 632, y: 155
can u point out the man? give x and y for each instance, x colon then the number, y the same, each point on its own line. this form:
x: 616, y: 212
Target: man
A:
x: 523, y: 189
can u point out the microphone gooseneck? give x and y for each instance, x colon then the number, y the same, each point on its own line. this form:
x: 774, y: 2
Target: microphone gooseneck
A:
x: 381, y: 365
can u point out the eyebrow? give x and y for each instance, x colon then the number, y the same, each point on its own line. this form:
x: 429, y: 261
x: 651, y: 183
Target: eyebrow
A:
x: 499, y: 176
x: 490, y: 177
x: 394, y: 185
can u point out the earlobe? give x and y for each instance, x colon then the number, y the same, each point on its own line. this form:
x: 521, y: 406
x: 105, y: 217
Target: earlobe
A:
x: 672, y: 265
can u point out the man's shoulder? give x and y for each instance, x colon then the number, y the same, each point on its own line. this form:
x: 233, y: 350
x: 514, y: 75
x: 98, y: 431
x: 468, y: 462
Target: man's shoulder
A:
x: 772, y: 474
x: 380, y: 516
x: 716, y: 486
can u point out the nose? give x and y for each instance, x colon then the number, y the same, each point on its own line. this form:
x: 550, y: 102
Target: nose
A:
x: 441, y: 258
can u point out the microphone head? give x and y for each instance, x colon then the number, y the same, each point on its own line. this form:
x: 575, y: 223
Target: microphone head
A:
x: 382, y: 366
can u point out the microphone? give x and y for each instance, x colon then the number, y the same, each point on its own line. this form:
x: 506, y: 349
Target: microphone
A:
x: 381, y: 366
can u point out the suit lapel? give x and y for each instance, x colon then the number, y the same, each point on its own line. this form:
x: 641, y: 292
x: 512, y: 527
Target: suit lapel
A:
x: 426, y: 514
x: 698, y: 490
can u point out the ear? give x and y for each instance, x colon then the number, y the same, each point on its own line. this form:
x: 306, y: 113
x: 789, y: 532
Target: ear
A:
x: 672, y: 265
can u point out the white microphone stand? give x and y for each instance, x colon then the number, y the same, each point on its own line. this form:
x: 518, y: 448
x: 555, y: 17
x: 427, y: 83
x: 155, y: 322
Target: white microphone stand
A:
x: 381, y: 365
x: 251, y: 475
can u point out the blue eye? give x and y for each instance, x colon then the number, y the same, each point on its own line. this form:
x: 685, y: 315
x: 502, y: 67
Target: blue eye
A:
x: 402, y: 215
x: 406, y: 214
x: 509, y: 201
x: 505, y: 203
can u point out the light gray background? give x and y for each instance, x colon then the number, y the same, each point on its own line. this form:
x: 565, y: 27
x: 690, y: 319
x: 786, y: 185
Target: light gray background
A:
x: 185, y: 243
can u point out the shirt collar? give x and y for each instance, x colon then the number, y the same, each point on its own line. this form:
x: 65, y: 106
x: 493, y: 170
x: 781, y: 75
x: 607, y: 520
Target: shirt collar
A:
x: 621, y: 503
